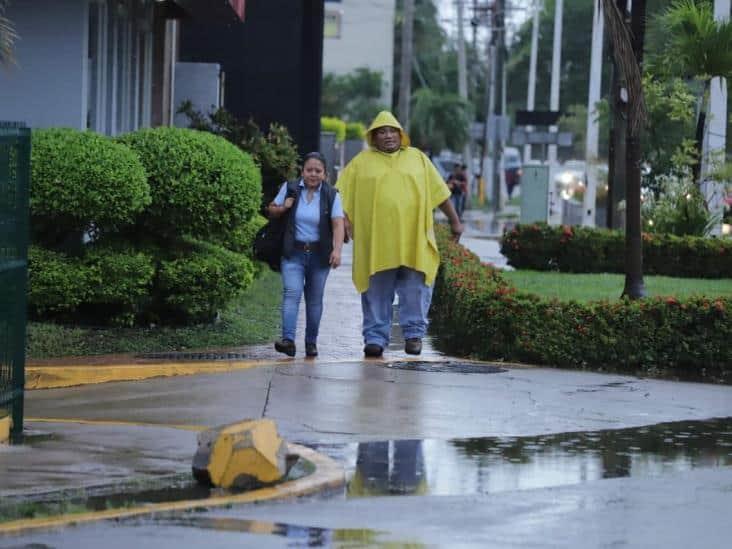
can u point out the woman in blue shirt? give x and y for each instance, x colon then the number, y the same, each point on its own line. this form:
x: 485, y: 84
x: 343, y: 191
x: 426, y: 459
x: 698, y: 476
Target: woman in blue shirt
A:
x: 312, y: 245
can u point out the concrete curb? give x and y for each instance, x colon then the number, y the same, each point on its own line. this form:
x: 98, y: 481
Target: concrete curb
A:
x: 328, y: 474
x: 57, y: 376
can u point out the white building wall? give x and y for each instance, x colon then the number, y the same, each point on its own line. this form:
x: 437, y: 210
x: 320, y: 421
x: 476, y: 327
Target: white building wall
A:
x: 365, y: 39
x: 45, y: 88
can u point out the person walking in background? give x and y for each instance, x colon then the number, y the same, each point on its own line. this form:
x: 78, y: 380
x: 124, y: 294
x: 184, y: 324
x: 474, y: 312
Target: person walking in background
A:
x: 312, y: 245
x: 457, y: 182
x: 390, y: 191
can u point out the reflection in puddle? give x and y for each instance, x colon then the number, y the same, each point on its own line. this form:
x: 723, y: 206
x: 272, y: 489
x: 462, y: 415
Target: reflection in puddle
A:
x: 297, y: 535
x: 496, y: 464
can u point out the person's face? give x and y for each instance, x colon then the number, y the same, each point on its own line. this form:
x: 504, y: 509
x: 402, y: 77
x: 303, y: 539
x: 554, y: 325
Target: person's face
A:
x: 387, y: 139
x: 313, y: 172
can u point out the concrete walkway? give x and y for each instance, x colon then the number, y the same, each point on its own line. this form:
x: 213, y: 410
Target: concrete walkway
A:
x: 124, y: 431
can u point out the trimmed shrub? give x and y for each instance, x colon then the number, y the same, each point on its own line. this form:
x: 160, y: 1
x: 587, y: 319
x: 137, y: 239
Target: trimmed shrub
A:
x: 583, y: 250
x: 355, y: 130
x: 202, y: 186
x: 335, y: 125
x: 56, y: 284
x: 82, y: 182
x: 105, y: 286
x: 193, y: 285
x: 476, y: 313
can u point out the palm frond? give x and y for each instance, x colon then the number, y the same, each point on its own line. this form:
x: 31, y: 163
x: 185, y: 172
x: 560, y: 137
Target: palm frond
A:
x: 8, y: 36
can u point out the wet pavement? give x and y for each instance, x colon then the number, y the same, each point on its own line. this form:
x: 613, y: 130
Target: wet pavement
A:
x: 439, y: 452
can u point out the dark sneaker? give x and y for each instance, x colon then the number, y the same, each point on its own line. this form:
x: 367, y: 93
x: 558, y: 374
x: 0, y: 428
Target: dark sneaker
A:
x: 311, y: 349
x: 373, y: 350
x: 413, y: 346
x: 286, y: 346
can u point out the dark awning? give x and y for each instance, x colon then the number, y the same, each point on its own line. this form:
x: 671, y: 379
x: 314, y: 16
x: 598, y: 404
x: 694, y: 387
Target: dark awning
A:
x: 203, y: 10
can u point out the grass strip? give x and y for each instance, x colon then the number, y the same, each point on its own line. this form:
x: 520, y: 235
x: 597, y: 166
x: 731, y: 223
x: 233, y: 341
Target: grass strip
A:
x: 584, y: 288
x: 252, y: 318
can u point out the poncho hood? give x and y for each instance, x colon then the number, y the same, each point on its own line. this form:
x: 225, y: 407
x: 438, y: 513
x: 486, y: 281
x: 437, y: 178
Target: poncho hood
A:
x: 385, y: 118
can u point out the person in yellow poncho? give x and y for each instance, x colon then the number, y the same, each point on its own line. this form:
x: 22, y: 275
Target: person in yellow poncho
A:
x: 389, y: 193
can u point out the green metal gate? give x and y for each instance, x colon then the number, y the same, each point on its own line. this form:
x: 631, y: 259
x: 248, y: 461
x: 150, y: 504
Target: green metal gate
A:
x: 14, y: 185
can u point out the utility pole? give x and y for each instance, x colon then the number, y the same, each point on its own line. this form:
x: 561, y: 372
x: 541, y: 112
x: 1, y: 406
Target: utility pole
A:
x: 463, y: 88
x: 618, y: 129
x: 405, y: 70
x: 555, y: 211
x: 499, y: 55
x: 715, y: 136
x: 531, y: 92
x: 592, y: 141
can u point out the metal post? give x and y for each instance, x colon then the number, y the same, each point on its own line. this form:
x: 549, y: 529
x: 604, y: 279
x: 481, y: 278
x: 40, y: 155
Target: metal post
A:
x: 463, y: 89
x: 405, y: 70
x: 531, y: 92
x: 555, y: 210
x: 593, y: 135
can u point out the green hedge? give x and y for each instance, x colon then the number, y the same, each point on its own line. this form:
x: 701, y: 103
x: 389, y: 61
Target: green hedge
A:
x: 475, y: 312
x: 104, y: 286
x: 82, y: 182
x: 193, y: 285
x: 335, y: 125
x: 202, y: 185
x: 585, y: 250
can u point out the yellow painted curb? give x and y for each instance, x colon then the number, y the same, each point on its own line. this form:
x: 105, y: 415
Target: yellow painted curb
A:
x: 328, y: 474
x: 55, y: 377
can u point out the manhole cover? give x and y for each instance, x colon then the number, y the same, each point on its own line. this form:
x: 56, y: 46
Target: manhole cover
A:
x: 447, y: 367
x: 194, y: 356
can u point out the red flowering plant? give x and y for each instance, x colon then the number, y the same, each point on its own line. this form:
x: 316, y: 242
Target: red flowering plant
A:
x: 476, y: 312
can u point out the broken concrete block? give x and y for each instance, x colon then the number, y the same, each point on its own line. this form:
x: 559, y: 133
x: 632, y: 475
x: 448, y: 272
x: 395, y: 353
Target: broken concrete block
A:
x: 241, y: 455
x: 6, y: 424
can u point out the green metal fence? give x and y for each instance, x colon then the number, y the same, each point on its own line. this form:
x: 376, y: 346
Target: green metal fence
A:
x: 14, y: 185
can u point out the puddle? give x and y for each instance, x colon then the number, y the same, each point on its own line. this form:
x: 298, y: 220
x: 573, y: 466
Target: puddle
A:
x: 296, y: 535
x: 497, y: 464
x: 446, y: 367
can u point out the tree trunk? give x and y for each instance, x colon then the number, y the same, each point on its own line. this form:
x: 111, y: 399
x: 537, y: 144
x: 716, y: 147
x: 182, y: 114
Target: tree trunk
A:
x: 405, y: 70
x: 634, y: 287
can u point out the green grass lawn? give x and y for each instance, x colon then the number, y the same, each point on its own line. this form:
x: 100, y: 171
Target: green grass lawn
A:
x: 252, y: 318
x: 593, y: 287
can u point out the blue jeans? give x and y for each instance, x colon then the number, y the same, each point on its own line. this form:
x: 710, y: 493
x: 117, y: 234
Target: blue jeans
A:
x: 302, y: 271
x: 377, y: 305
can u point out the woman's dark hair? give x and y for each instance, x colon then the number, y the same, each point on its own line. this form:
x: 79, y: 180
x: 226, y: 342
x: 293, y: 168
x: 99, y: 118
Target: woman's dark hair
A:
x: 317, y: 156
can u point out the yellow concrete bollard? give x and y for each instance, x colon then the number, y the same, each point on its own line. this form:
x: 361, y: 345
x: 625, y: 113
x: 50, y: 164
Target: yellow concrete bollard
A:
x: 241, y: 455
x: 6, y: 424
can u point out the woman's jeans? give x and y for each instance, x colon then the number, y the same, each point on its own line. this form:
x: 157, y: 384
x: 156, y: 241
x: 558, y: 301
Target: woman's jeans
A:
x: 377, y: 302
x: 302, y: 271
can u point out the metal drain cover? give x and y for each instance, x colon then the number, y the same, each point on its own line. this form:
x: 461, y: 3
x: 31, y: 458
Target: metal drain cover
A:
x: 194, y: 356
x: 447, y: 367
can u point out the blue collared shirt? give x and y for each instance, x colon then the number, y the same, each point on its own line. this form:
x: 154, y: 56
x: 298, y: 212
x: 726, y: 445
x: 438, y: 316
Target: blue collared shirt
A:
x: 307, y: 216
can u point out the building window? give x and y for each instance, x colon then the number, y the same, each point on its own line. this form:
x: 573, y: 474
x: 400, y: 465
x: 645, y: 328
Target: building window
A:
x: 332, y: 24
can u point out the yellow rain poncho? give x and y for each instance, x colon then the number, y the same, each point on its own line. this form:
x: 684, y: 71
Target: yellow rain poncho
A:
x: 389, y: 199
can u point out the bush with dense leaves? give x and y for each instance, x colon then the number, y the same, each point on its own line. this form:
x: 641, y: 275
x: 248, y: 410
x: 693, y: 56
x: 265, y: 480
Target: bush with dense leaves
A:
x: 202, y: 186
x: 105, y: 285
x: 540, y: 247
x: 475, y: 312
x: 193, y: 285
x: 82, y: 182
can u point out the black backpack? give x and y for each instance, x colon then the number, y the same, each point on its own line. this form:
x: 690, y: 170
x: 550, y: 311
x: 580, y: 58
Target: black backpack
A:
x: 269, y: 239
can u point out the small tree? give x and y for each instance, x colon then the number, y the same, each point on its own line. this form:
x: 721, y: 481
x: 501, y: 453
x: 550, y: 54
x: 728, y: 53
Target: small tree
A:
x: 439, y: 120
x: 692, y: 44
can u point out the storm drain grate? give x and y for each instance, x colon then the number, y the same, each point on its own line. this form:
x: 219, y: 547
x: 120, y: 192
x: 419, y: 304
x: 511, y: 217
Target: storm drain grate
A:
x: 447, y: 367
x: 194, y: 356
